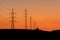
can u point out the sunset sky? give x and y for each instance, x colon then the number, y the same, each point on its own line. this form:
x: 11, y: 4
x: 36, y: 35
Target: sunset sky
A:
x: 46, y: 13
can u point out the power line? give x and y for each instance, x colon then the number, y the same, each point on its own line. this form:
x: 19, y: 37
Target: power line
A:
x: 6, y: 8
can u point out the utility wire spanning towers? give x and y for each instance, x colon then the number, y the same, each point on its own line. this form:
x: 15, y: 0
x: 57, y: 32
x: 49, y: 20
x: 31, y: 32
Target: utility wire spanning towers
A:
x: 25, y: 18
x: 12, y: 19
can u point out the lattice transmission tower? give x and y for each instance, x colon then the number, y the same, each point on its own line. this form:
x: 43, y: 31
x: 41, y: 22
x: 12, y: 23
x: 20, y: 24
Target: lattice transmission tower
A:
x: 25, y: 18
x: 12, y: 19
x: 30, y: 22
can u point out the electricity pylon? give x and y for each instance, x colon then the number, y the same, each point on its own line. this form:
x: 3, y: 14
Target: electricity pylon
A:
x: 25, y: 18
x: 30, y: 22
x: 12, y: 19
x: 34, y: 25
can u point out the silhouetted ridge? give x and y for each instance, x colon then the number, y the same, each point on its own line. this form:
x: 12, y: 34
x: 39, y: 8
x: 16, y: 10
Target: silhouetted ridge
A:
x: 28, y: 30
x: 23, y: 30
x: 56, y: 31
x: 37, y: 29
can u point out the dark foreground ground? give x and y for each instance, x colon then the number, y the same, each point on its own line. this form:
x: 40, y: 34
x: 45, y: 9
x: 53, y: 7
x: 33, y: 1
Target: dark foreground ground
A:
x: 28, y: 30
x: 33, y: 33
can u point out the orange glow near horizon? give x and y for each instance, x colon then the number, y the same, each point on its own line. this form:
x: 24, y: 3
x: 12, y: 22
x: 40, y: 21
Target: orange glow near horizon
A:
x: 46, y: 13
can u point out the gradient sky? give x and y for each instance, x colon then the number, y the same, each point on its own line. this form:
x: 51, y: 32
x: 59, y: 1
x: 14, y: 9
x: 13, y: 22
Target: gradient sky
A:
x: 46, y: 13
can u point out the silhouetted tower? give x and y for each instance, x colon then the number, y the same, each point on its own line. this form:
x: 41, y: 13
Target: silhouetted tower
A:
x: 12, y: 19
x: 25, y: 18
x: 37, y: 26
x: 34, y: 25
x: 30, y: 22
